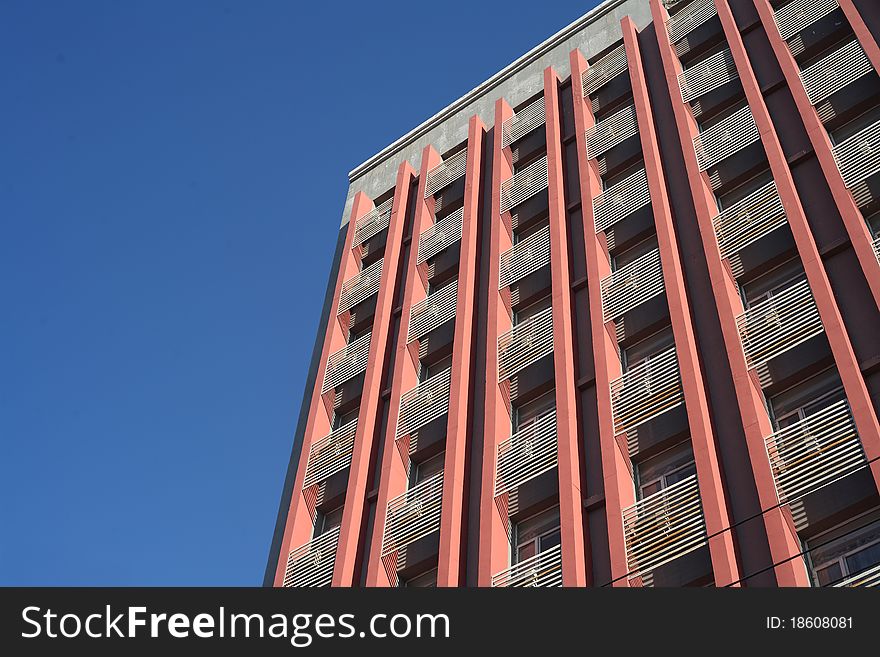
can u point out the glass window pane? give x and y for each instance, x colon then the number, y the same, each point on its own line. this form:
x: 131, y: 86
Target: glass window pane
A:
x: 829, y: 574
x: 863, y: 559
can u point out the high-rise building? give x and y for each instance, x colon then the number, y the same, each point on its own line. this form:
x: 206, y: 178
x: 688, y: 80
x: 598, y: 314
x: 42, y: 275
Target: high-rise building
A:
x: 611, y: 319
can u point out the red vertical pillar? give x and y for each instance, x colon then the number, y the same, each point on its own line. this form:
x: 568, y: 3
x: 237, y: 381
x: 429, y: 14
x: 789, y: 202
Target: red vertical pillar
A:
x: 619, y: 487
x: 355, y: 497
x: 494, y: 548
x: 866, y: 39
x: 450, y: 569
x: 855, y: 225
x: 721, y: 547
x: 393, y: 475
x: 782, y: 538
x: 844, y: 357
x: 571, y: 506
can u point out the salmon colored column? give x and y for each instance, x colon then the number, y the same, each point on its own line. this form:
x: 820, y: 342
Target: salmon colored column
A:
x: 571, y: 507
x: 619, y: 486
x: 844, y: 357
x: 393, y: 479
x: 453, y: 528
x: 721, y: 547
x: 856, y: 226
x: 782, y: 538
x: 494, y: 548
x: 355, y: 497
x: 866, y: 39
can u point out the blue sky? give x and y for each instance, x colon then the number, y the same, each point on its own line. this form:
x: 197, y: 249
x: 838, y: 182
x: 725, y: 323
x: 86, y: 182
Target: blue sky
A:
x: 172, y: 176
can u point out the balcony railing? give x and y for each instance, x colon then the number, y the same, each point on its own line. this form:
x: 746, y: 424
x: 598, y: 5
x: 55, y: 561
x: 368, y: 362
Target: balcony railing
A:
x: 312, y: 564
x: 877, y: 248
x: 689, y: 19
x: 413, y: 514
x: 866, y: 578
x: 524, y: 258
x: 544, y: 569
x: 445, y: 173
x: 709, y: 74
x: 610, y: 132
x: 621, y: 200
x: 749, y: 219
x: 424, y: 403
x: 360, y: 287
x: 725, y: 138
x: 441, y: 235
x: 347, y: 363
x: 524, y: 184
x: 372, y: 223
x: 780, y: 323
x: 858, y: 157
x: 529, y: 118
x: 664, y: 526
x: 603, y: 71
x: 817, y: 451
x: 527, y: 454
x: 525, y: 344
x: 799, y: 14
x: 434, y: 311
x: 835, y: 71
x: 632, y: 285
x: 646, y: 391
x: 330, y: 454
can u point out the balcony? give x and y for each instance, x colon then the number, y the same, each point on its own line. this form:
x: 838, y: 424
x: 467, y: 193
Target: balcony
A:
x: 814, y: 452
x: 441, y: 235
x: 445, y: 173
x: 543, y: 569
x: 646, y: 391
x: 525, y: 344
x: 604, y: 70
x: 413, y: 515
x: 689, y: 19
x: 527, y: 454
x: 621, y: 200
x: 632, y: 285
x: 866, y: 578
x: 372, y: 223
x: 347, y: 363
x: 725, y: 138
x: 330, y: 454
x: 800, y: 14
x: 833, y: 72
x: 524, y: 184
x: 529, y: 118
x: 524, y: 258
x: 707, y: 75
x: 312, y: 564
x: 437, y: 309
x: 610, y: 132
x: 424, y: 403
x: 858, y: 157
x: 877, y: 248
x: 664, y: 526
x: 360, y: 287
x: 748, y: 220
x: 780, y: 323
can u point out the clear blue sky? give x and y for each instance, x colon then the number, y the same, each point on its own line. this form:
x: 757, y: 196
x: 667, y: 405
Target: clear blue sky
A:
x: 172, y: 176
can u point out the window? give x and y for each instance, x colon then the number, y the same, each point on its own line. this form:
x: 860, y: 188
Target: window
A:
x: 427, y: 371
x: 327, y: 520
x: 528, y: 413
x: 633, y: 253
x: 341, y: 419
x: 536, y: 534
x: 643, y: 349
x: 734, y: 196
x: 425, y: 580
x: 524, y: 314
x: 874, y: 224
x: 418, y: 472
x: 846, y: 550
x: 849, y: 129
x: 772, y: 283
x: 665, y: 469
x: 808, y: 398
